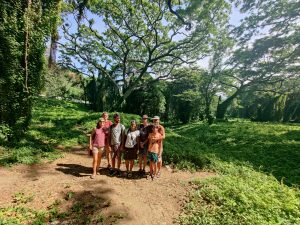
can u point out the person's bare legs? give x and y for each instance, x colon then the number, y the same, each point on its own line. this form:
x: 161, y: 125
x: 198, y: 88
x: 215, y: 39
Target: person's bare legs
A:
x: 151, y: 168
x: 108, y: 155
x: 113, y: 161
x: 131, y: 165
x: 159, y: 165
x: 140, y: 161
x: 154, y: 168
x: 96, y: 162
x: 99, y: 160
x: 119, y: 161
x: 145, y: 162
x: 127, y: 165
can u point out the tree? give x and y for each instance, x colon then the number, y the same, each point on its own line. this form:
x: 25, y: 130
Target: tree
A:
x: 184, y: 101
x: 267, y: 49
x: 63, y: 83
x: 24, y: 25
x: 276, y: 102
x: 140, y: 38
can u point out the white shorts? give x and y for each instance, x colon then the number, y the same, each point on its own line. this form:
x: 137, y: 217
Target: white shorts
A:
x: 96, y: 150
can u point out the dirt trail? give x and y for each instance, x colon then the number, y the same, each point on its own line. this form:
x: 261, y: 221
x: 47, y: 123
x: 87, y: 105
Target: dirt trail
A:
x: 121, y: 201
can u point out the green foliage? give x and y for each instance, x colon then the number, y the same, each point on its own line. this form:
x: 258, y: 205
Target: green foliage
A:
x: 149, y: 100
x: 138, y: 38
x: 56, y: 124
x: 101, y: 93
x: 64, y: 84
x: 24, y: 26
x: 271, y: 148
x: 253, y: 161
x: 278, y: 103
x: 243, y: 196
x: 183, y: 99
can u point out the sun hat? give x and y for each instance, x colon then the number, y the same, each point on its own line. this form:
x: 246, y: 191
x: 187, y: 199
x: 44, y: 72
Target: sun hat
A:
x: 155, y: 118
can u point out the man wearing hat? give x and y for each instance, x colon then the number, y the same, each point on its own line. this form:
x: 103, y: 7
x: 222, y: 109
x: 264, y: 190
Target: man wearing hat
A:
x: 144, y: 132
x: 116, y: 141
x: 161, y: 130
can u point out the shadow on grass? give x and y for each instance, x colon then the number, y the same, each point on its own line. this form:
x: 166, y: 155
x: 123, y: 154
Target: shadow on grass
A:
x: 91, y: 206
x: 269, y: 148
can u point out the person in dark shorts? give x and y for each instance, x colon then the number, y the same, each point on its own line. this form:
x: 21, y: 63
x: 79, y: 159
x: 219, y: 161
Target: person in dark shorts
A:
x: 143, y: 151
x: 116, y: 141
x: 131, y: 146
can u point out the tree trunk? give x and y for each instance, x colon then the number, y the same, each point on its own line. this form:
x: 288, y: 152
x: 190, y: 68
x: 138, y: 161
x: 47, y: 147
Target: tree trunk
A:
x: 53, y: 49
x: 222, y: 108
x: 26, y: 44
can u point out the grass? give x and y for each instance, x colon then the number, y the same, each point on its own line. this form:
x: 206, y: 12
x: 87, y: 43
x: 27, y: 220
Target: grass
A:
x: 257, y: 165
x: 55, y: 125
x: 266, y: 147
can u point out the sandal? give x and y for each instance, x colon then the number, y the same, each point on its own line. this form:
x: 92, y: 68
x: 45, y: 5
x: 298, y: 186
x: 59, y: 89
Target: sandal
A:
x: 93, y: 176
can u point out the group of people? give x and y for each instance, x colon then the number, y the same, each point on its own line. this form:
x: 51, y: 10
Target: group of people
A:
x: 143, y: 141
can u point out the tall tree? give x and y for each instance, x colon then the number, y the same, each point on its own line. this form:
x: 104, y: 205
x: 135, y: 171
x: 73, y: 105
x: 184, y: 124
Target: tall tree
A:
x: 267, y: 46
x: 24, y: 26
x: 139, y: 38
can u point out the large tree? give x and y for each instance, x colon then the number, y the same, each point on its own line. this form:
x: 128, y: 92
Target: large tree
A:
x: 140, y: 38
x: 267, y: 47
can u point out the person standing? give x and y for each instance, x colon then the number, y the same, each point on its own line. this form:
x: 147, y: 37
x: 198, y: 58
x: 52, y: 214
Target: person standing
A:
x: 116, y: 141
x: 131, y: 147
x: 143, y: 151
x: 154, y: 150
x: 161, y: 130
x: 107, y: 124
x: 97, y: 145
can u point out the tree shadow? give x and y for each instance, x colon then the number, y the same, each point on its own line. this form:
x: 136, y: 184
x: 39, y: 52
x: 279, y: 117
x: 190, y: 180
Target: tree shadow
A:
x: 292, y: 135
x: 91, y: 206
x: 265, y: 147
x: 136, y: 175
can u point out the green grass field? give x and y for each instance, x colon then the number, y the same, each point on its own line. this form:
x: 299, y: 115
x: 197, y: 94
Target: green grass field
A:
x: 257, y: 163
x: 258, y: 171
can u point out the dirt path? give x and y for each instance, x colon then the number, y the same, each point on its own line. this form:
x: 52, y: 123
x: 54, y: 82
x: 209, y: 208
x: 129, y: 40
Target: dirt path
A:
x: 118, y: 200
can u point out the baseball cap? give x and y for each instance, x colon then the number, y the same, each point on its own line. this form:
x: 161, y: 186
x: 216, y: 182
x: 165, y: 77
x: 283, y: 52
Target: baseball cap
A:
x: 145, y: 117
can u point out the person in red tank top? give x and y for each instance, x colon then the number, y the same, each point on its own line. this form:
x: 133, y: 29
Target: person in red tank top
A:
x: 108, y: 153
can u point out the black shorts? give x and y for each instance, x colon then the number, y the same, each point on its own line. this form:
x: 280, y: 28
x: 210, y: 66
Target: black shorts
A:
x: 130, y: 153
